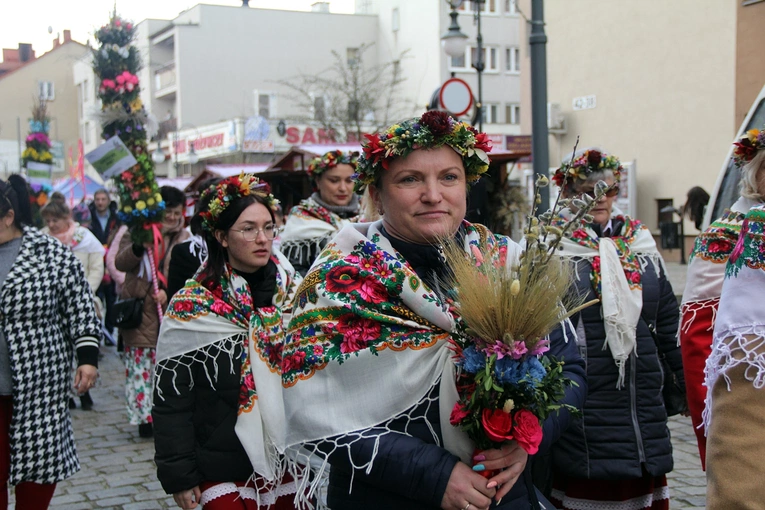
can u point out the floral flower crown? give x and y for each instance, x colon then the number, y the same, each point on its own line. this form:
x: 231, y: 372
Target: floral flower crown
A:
x: 590, y: 161
x: 432, y: 130
x: 331, y: 159
x: 228, y: 190
x: 745, y: 149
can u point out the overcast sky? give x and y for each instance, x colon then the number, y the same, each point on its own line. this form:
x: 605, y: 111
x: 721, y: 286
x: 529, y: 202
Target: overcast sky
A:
x: 28, y: 20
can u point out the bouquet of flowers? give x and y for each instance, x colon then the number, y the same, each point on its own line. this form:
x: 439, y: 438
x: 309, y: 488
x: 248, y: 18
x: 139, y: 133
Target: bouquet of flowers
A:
x: 507, y: 384
x: 38, y: 144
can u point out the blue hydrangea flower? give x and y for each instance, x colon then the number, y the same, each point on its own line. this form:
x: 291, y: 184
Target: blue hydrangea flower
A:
x: 472, y: 361
x: 508, y: 370
x: 534, y: 370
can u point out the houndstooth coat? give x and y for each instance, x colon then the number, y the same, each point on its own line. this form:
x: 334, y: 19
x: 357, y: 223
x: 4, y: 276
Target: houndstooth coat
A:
x: 46, y: 308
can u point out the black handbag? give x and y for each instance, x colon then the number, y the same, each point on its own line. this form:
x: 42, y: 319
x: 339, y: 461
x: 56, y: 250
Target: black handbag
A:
x: 128, y: 313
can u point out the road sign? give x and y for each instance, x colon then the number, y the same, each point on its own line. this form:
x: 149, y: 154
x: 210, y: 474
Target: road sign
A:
x: 456, y: 97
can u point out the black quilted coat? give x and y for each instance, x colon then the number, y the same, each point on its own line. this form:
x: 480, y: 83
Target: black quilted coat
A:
x: 622, y: 430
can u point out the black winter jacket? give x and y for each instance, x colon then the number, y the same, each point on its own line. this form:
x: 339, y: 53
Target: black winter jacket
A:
x: 623, y: 430
x: 112, y: 224
x: 194, y: 434
x: 411, y: 472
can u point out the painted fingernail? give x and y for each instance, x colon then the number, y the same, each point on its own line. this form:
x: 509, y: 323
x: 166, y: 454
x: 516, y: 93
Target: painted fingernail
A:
x: 478, y: 467
x: 479, y: 458
x: 491, y: 485
x: 499, y: 501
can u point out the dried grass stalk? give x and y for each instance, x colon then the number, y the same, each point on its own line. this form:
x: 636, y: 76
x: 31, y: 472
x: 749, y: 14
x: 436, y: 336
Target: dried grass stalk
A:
x: 522, y: 303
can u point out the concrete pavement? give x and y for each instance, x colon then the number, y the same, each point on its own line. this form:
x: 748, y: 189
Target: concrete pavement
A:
x: 118, y: 471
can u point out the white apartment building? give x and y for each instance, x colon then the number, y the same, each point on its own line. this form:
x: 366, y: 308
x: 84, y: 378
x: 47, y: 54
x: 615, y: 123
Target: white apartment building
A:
x: 213, y: 73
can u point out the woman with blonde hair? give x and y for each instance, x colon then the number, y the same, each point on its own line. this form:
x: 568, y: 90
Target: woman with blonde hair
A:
x: 735, y: 369
x: 315, y: 221
x: 706, y: 272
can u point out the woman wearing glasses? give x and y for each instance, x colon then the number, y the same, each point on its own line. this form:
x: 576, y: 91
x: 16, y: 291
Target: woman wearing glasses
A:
x: 618, y: 453
x: 208, y: 426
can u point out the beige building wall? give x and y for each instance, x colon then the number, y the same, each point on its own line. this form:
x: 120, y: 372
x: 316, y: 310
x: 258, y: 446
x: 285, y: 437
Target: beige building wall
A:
x: 19, y: 89
x: 750, y: 64
x: 663, y: 77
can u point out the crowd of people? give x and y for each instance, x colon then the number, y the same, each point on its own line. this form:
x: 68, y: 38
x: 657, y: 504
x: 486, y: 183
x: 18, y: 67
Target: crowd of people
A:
x: 311, y: 364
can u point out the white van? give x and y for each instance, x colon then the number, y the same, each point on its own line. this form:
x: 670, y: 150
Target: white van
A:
x: 725, y: 192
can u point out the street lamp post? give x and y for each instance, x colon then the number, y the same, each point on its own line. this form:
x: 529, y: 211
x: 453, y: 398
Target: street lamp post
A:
x: 539, y: 132
x: 455, y: 42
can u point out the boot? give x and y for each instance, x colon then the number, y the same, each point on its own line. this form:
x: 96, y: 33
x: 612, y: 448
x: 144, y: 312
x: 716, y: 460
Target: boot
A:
x: 72, y: 403
x: 145, y: 430
x: 86, y: 401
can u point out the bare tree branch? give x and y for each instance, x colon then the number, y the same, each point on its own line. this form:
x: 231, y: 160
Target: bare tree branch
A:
x: 350, y: 98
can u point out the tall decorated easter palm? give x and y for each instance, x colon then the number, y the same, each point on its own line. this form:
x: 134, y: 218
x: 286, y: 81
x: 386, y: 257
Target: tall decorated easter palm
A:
x: 116, y: 62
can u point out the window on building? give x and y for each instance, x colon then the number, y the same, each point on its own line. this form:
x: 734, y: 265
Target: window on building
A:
x: 491, y: 113
x: 87, y: 133
x: 319, y: 108
x: 80, y: 100
x: 265, y: 104
x: 489, y: 58
x: 512, y: 113
x: 513, y: 59
x: 395, y: 20
x: 511, y: 6
x: 46, y: 90
x: 353, y: 111
x: 487, y: 6
x: 352, y: 57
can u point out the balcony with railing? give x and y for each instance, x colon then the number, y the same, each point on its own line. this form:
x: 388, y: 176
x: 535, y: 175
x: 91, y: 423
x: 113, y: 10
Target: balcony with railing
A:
x: 165, y: 81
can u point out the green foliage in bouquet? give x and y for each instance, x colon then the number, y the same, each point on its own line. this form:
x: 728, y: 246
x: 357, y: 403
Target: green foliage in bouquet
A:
x: 116, y: 62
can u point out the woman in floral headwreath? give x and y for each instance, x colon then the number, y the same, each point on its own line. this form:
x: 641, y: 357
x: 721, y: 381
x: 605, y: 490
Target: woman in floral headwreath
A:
x: 735, y: 369
x: 706, y: 271
x: 618, y: 453
x: 368, y: 370
x: 312, y: 223
x: 208, y: 425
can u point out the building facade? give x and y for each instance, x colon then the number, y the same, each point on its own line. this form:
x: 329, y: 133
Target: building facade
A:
x: 216, y: 75
x: 655, y: 83
x: 49, y: 76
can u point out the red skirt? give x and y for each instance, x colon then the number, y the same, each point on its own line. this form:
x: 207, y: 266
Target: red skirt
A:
x: 647, y: 493
x: 244, y: 496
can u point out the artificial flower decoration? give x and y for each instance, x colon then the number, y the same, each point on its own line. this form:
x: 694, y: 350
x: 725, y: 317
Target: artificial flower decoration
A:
x: 590, y: 161
x: 331, y: 159
x: 116, y: 63
x: 745, y: 149
x: 38, y: 143
x: 432, y: 130
x: 228, y: 190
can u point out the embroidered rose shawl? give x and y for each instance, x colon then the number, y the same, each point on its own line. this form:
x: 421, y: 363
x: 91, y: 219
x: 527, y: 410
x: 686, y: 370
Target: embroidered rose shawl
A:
x: 201, y: 322
x: 367, y: 343
x: 616, y: 276
x: 706, y: 264
x: 739, y: 332
x: 309, y: 228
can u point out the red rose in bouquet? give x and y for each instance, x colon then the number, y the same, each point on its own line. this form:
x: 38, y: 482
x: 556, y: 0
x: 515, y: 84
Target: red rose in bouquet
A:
x: 497, y: 424
x: 527, y: 431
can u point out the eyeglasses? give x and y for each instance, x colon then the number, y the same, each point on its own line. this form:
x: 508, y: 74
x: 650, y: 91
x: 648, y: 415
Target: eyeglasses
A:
x: 612, y: 192
x: 251, y: 233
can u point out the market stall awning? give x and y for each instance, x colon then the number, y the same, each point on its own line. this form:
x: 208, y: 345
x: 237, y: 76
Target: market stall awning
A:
x: 225, y: 170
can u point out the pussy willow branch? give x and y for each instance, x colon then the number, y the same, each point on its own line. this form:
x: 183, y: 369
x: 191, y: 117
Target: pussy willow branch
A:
x: 562, y: 186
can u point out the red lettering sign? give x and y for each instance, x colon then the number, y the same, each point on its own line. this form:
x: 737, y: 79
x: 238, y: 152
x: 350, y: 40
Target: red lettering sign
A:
x: 308, y: 136
x: 293, y: 135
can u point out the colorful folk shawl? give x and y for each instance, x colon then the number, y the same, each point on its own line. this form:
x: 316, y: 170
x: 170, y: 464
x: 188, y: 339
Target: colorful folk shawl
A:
x: 201, y: 322
x: 309, y: 228
x: 739, y: 333
x: 706, y: 264
x: 617, y: 264
x: 369, y: 343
